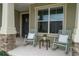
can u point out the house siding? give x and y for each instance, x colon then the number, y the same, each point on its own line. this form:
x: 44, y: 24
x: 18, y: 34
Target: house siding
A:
x: 70, y: 15
x: 32, y: 15
x: 0, y: 15
x: 17, y: 21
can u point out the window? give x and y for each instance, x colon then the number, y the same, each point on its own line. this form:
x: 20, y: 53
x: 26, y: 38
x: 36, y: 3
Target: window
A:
x: 51, y: 18
x: 56, y: 19
x: 43, y: 21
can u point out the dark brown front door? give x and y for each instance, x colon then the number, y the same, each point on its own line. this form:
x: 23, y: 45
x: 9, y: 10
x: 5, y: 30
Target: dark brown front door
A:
x: 25, y: 24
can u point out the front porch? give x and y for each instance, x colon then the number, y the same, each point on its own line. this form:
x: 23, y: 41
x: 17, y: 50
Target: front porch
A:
x: 43, y: 19
x: 30, y: 50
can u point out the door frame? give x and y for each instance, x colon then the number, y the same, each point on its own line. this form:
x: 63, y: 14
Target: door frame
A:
x: 21, y: 22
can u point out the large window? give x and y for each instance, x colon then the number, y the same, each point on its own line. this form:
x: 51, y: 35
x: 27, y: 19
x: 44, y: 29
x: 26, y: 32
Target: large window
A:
x: 50, y: 20
x: 43, y: 20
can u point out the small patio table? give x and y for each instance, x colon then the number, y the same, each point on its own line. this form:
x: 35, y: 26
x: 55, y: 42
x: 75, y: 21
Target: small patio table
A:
x: 42, y: 41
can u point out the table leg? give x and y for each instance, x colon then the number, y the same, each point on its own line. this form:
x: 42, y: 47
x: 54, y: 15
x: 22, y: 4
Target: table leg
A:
x: 46, y: 45
x: 42, y: 42
x: 49, y: 43
x: 39, y: 44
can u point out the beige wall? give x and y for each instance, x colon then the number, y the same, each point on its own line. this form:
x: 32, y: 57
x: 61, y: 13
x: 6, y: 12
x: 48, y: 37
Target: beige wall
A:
x: 70, y: 15
x: 0, y: 15
x: 32, y: 15
x: 17, y: 20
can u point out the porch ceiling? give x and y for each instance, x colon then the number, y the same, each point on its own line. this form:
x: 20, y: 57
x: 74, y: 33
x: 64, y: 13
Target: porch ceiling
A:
x: 22, y: 6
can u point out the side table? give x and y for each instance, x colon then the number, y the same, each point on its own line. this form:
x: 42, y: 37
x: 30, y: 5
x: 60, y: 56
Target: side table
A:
x: 42, y: 41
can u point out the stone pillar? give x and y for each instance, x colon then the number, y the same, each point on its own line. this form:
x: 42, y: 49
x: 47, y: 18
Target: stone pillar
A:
x: 76, y: 31
x: 8, y: 30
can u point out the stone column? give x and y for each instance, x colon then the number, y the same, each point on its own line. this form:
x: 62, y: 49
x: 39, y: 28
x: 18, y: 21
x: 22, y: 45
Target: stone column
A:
x: 76, y: 31
x: 8, y: 30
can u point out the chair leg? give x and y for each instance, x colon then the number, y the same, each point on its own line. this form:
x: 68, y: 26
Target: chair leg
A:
x: 71, y: 51
x: 66, y: 49
x: 55, y: 46
x: 26, y: 43
x: 34, y: 44
x: 46, y: 45
x: 42, y: 43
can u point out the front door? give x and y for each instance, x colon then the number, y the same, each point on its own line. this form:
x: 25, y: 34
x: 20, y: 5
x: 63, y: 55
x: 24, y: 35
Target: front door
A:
x: 25, y: 24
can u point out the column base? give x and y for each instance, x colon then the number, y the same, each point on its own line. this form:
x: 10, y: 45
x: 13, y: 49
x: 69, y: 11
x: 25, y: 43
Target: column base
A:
x: 76, y: 49
x: 7, y: 42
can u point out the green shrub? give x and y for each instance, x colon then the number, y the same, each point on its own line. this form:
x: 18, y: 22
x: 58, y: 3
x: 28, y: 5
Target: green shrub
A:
x: 3, y: 53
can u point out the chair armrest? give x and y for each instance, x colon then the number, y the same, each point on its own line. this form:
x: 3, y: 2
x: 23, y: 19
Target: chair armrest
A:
x: 55, y: 39
x: 25, y: 36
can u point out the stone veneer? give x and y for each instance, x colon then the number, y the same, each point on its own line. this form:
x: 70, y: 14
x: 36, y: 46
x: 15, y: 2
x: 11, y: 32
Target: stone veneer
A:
x: 7, y: 41
x: 76, y: 49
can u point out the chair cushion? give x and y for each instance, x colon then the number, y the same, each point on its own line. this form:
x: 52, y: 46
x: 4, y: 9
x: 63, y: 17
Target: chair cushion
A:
x: 31, y: 36
x: 63, y: 38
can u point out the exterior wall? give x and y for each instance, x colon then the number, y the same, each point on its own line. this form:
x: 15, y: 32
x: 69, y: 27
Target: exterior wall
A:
x: 32, y: 19
x: 17, y: 21
x: 75, y: 49
x: 0, y: 15
x: 70, y: 15
x: 32, y: 15
x: 7, y: 42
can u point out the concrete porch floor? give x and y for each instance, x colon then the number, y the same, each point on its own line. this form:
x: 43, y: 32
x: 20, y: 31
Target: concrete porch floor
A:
x: 29, y: 50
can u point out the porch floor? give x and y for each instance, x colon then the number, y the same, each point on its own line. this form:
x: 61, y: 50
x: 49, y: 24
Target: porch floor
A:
x: 30, y: 50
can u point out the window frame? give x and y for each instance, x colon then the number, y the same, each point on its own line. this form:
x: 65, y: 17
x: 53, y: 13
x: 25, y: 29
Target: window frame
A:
x: 43, y: 21
x: 53, y: 19
x: 49, y: 7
